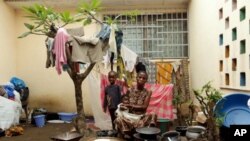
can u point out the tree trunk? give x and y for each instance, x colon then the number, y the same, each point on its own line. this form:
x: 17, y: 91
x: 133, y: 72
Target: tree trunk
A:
x: 80, y: 124
x: 78, y: 78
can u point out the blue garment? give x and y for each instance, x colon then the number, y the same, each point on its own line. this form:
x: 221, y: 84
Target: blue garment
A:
x: 104, y: 33
x: 10, y: 91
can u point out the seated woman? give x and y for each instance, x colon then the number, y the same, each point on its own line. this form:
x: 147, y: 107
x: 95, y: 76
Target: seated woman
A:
x: 133, y: 108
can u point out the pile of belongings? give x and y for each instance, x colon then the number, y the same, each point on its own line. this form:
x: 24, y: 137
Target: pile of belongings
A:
x: 10, y: 103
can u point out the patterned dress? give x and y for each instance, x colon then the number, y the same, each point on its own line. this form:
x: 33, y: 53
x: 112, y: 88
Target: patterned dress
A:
x: 125, y: 124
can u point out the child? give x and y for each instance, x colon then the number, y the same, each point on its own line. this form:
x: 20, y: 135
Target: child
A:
x: 112, y: 96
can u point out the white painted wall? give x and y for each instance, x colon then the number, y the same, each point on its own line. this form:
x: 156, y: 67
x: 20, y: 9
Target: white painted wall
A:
x: 243, y: 33
x: 8, y: 59
x: 203, y: 43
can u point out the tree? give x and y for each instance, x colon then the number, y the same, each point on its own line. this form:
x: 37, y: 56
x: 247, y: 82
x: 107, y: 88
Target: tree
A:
x: 207, y: 97
x: 45, y: 22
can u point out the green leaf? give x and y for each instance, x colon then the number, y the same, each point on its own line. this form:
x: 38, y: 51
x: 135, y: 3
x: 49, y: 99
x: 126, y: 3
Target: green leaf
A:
x: 95, y: 4
x: 24, y: 35
x: 87, y: 21
x: 66, y: 17
x: 29, y: 26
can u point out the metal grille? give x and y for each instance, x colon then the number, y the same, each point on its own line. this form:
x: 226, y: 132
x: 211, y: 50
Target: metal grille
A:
x: 155, y: 36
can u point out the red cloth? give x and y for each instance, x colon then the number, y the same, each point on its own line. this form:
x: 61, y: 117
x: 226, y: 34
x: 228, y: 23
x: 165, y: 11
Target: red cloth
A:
x: 161, y: 100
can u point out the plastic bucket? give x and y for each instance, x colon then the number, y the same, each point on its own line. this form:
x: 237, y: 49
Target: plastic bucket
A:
x: 163, y: 124
x: 39, y: 120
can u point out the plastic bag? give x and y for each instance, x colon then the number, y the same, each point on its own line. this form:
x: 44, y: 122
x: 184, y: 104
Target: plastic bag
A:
x: 18, y: 83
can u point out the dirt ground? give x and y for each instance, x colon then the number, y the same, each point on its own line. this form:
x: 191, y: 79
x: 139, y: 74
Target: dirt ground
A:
x: 32, y: 133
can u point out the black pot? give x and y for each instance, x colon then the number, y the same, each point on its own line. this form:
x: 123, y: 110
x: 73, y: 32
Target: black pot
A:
x: 147, y: 133
x: 181, y: 129
x: 2, y: 133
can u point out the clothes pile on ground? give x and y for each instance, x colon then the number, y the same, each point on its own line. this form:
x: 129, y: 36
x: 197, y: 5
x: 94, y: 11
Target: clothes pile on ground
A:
x: 11, y: 106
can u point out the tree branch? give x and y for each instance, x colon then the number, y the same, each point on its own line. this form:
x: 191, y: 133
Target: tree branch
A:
x: 87, y: 71
x: 37, y: 33
x: 93, y: 17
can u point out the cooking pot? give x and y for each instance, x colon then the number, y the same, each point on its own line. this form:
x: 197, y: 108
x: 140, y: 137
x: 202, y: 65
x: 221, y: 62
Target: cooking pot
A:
x: 170, y: 136
x: 182, y: 130
x: 68, y: 136
x: 137, y: 137
x: 194, y: 132
x: 147, y: 133
x: 104, y: 139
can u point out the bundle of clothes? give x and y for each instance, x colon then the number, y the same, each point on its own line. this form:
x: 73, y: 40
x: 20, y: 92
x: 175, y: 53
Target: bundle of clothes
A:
x: 11, y: 105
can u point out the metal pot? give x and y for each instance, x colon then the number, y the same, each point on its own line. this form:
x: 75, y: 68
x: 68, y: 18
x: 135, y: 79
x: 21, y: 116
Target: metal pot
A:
x: 68, y: 136
x: 182, y: 130
x: 194, y: 132
x: 147, y: 133
x: 170, y: 136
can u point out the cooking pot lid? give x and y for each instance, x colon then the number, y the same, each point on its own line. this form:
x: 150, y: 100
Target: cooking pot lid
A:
x: 148, y: 130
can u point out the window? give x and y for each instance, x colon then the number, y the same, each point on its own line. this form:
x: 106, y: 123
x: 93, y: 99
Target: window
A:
x: 227, y: 51
x: 234, y: 4
x: 234, y: 34
x: 227, y: 79
x: 221, y: 13
x: 221, y: 65
x: 242, y: 13
x: 221, y: 39
x: 234, y: 64
x: 242, y: 79
x: 242, y: 46
x: 156, y: 35
x: 227, y: 23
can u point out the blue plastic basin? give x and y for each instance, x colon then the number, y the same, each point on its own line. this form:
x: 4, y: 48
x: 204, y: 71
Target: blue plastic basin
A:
x: 233, y: 109
x: 68, y: 117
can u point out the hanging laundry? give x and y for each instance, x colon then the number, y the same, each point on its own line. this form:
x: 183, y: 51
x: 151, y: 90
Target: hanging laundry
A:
x: 104, y: 32
x: 50, y: 61
x: 78, y: 31
x: 176, y: 65
x: 129, y: 58
x: 59, y: 49
x: 106, y: 60
x: 112, y: 41
x: 87, y: 49
x: 151, y: 70
x: 164, y: 73
x: 161, y: 100
x: 119, y: 39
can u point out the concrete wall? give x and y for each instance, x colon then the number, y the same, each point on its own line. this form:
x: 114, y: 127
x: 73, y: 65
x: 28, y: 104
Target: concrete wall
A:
x: 243, y: 33
x: 203, y: 43
x: 8, y: 46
